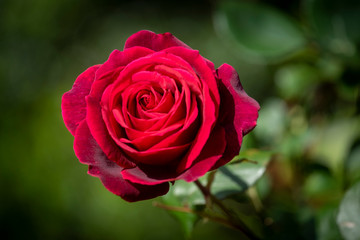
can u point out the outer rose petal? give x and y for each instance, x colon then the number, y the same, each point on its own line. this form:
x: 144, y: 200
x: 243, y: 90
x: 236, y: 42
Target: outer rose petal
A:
x: 73, y: 103
x: 121, y: 59
x: 151, y: 40
x: 246, y: 108
x: 158, y: 42
x: 238, y: 111
x: 89, y: 152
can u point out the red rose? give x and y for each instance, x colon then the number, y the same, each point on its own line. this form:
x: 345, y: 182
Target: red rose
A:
x: 154, y: 113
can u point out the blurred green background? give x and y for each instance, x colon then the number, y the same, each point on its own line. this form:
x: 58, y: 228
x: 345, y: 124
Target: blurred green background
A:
x: 299, y: 59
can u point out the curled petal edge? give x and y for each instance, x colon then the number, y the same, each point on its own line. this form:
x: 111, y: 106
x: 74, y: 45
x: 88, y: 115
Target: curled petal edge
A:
x: 89, y: 152
x: 73, y: 104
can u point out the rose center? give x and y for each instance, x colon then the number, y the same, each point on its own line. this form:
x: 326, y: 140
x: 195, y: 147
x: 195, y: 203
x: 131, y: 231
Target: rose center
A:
x: 144, y: 100
x: 147, y: 100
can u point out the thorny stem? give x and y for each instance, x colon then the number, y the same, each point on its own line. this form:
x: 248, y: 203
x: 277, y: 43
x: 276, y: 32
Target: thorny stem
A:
x: 234, y: 222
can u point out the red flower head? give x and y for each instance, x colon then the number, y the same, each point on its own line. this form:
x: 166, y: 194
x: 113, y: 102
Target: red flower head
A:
x: 154, y: 113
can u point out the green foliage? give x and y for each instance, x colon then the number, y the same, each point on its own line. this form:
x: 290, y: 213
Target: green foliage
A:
x: 352, y: 165
x: 227, y: 181
x: 259, y: 30
x: 327, y: 228
x: 348, y: 217
x: 295, y: 80
x: 184, y: 195
x: 335, y: 25
x: 240, y: 174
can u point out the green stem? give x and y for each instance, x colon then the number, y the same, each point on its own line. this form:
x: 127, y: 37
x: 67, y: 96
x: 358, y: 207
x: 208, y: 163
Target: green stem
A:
x: 235, y: 222
x: 217, y: 219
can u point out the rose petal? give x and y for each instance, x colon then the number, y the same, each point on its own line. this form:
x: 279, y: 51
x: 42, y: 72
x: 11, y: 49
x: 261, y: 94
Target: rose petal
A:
x: 226, y: 119
x: 120, y: 59
x: 85, y: 147
x: 89, y: 152
x: 111, y: 123
x: 150, y: 175
x: 211, y: 153
x: 149, y: 139
x: 186, y: 133
x: 146, y: 63
x: 158, y: 42
x: 151, y: 40
x: 132, y: 192
x: 142, y: 124
x: 161, y: 156
x: 147, y: 175
x: 208, y: 110
x: 246, y: 108
x: 163, y: 120
x: 210, y: 100
x: 100, y: 133
x: 73, y: 103
x: 201, y: 67
x: 238, y: 112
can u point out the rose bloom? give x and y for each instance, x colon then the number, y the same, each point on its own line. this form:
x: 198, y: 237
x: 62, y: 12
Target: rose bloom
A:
x: 155, y: 113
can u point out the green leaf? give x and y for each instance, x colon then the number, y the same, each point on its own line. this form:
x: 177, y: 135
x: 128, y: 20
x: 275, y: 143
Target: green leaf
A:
x: 244, y: 209
x: 332, y: 142
x: 260, y: 31
x: 272, y: 121
x: 321, y: 184
x: 352, y: 165
x: 348, y: 218
x: 184, y: 194
x: 327, y: 228
x: 241, y: 173
x: 335, y: 23
x: 295, y: 80
x: 188, y: 193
